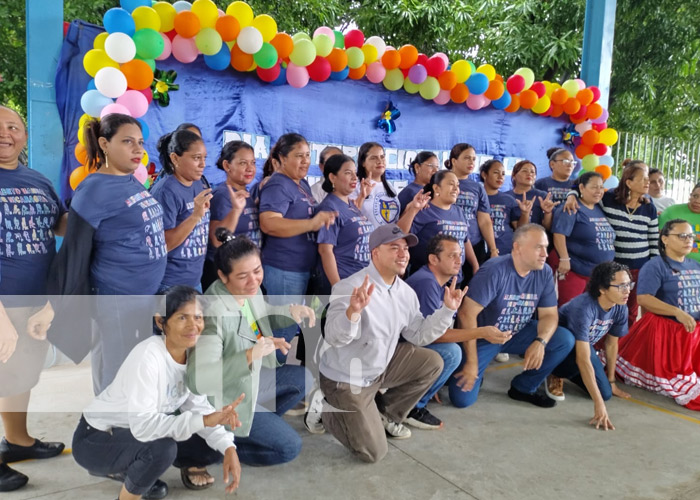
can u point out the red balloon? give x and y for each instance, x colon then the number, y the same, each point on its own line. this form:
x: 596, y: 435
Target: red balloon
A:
x: 515, y: 84
x: 354, y: 38
x: 405, y: 72
x: 600, y: 149
x: 435, y: 66
x: 599, y: 126
x: 270, y: 74
x: 148, y: 93
x: 596, y: 92
x: 422, y: 59
x: 580, y: 115
x: 539, y: 89
x: 320, y: 69
x: 171, y: 34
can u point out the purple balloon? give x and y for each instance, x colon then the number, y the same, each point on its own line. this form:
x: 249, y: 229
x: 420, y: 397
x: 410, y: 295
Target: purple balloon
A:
x: 602, y: 118
x: 417, y: 74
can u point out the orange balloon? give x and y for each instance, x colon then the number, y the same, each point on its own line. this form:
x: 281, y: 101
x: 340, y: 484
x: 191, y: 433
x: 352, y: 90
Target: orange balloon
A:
x: 560, y: 96
x: 284, y: 45
x: 358, y: 73
x: 77, y: 176
x: 585, y: 96
x: 240, y: 60
x: 228, y: 28
x: 447, y: 80
x: 138, y: 73
x: 80, y: 154
x: 604, y: 170
x: 528, y: 98
x: 187, y: 24
x: 409, y: 56
x: 594, y: 111
x: 495, y: 90
x: 338, y: 59
x: 582, y: 151
x: 391, y: 59
x: 459, y: 93
x: 557, y: 111
x: 590, y: 137
x: 514, y: 104
x: 576, y: 121
x: 571, y: 106
x: 498, y: 77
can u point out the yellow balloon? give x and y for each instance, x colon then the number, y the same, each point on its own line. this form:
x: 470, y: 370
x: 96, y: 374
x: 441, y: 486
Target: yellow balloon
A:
x: 371, y: 53
x: 571, y: 86
x: 542, y: 105
x: 99, y: 42
x: 144, y: 160
x: 97, y: 59
x: 487, y: 70
x: 166, y: 13
x: 81, y: 134
x: 548, y: 88
x: 462, y: 70
x: 242, y: 12
x: 83, y: 120
x: 266, y: 26
x: 207, y: 12
x: 146, y: 17
x: 608, y: 136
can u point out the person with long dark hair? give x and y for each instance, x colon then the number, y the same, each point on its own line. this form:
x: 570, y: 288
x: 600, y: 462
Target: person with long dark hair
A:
x: 317, y: 189
x: 423, y: 167
x: 185, y: 200
x: 662, y: 351
x: 376, y: 197
x: 523, y: 179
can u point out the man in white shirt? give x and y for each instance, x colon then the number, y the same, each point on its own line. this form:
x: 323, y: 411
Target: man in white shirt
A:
x: 656, y: 190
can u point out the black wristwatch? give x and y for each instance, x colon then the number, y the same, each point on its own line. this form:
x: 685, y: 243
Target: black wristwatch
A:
x: 541, y: 341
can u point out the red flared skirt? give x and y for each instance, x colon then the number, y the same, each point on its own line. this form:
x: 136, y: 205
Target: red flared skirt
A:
x: 659, y: 355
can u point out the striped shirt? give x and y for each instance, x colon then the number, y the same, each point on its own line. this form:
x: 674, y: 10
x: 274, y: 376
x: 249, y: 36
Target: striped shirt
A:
x: 636, y: 233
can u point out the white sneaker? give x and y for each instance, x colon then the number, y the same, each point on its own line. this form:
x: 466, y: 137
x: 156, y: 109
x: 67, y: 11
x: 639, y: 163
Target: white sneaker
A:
x: 502, y: 357
x: 394, y: 429
x: 312, y: 418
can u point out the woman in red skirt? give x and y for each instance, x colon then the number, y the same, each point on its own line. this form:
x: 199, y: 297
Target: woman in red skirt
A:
x: 662, y: 351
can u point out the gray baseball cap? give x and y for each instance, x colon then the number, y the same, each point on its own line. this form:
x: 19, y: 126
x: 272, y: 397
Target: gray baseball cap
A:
x: 387, y: 234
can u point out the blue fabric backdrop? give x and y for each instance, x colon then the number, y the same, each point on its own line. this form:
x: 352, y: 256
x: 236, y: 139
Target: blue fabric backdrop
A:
x: 334, y: 112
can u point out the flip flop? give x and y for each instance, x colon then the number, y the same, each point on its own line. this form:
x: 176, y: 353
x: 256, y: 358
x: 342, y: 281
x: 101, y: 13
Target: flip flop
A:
x: 186, y: 472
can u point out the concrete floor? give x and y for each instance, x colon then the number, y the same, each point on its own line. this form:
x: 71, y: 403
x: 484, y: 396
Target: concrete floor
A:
x: 498, y: 449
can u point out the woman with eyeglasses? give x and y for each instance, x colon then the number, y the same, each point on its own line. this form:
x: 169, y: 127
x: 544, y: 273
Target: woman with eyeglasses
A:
x: 523, y: 178
x: 559, y: 184
x: 423, y: 166
x: 582, y: 240
x: 662, y: 351
x: 232, y: 205
x: 689, y: 212
x: 599, y: 313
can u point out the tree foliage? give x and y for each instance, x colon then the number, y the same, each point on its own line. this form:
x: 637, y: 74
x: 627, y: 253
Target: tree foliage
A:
x: 655, y: 82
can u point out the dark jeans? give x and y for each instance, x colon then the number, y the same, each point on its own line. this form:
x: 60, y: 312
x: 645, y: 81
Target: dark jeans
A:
x: 271, y: 440
x: 568, y: 369
x: 118, y: 451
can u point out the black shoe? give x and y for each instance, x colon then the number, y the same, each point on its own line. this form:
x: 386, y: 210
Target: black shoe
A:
x: 421, y: 418
x: 537, y: 399
x: 10, y: 479
x: 158, y: 490
x: 14, y: 453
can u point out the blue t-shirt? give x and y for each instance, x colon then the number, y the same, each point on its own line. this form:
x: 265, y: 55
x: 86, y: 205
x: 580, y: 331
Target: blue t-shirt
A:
x: 349, y: 235
x: 472, y: 199
x: 431, y: 221
x: 248, y: 223
x: 406, y: 195
x: 186, y: 261
x: 504, y: 211
x: 294, y: 201
x: 590, y: 239
x: 510, y: 300
x: 430, y: 293
x: 672, y: 282
x: 559, y: 189
x: 589, y: 322
x: 536, y: 214
x: 30, y: 211
x: 129, y: 253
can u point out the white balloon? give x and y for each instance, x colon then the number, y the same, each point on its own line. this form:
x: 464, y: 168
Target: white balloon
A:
x: 378, y: 44
x: 182, y: 5
x: 120, y: 47
x: 249, y: 40
x: 110, y: 82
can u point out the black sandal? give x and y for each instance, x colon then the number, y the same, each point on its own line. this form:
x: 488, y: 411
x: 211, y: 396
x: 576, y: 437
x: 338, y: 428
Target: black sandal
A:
x: 186, y: 472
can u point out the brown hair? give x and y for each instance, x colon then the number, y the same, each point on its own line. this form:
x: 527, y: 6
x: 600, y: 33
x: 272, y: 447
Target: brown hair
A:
x: 518, y: 167
x: 622, y: 191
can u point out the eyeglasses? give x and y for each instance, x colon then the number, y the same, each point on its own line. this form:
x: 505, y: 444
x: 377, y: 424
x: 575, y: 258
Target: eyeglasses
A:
x: 683, y: 236
x: 568, y: 162
x: 431, y: 165
x: 624, y: 287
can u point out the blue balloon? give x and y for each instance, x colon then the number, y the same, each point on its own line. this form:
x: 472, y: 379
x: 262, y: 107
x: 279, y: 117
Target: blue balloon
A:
x: 182, y: 5
x: 93, y: 101
x: 611, y: 183
x: 219, y: 61
x: 282, y: 78
x: 478, y: 83
x: 130, y: 5
x: 145, y: 131
x: 118, y: 20
x: 340, y: 75
x: 91, y: 85
x: 502, y: 102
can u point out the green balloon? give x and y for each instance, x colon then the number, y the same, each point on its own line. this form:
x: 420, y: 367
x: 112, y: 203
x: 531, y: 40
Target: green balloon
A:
x: 410, y: 87
x: 324, y: 45
x: 300, y: 36
x: 355, y: 57
x: 150, y: 62
x: 339, y: 40
x: 430, y: 88
x: 393, y: 79
x: 208, y: 41
x: 149, y: 43
x: 304, y: 53
x: 266, y: 57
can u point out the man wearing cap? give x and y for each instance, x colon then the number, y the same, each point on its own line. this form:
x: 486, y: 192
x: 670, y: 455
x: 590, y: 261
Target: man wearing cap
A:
x: 368, y: 312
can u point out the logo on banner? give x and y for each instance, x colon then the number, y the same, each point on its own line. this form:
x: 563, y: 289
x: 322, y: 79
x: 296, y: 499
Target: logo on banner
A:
x: 387, y: 210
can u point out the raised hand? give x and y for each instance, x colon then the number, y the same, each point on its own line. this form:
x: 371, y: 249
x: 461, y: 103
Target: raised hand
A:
x: 238, y: 198
x: 453, y: 295
x: 360, y: 298
x: 525, y: 205
x: 201, y: 203
x: 420, y: 200
x: 546, y: 204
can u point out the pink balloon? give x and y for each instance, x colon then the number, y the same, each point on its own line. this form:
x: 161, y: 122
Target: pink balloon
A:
x: 221, y: 13
x: 325, y: 30
x: 167, y: 48
x: 184, y: 49
x: 583, y: 127
x: 297, y: 76
x: 581, y: 84
x: 475, y: 101
x: 444, y: 57
x: 114, y: 108
x: 376, y: 72
x: 442, y: 98
x: 135, y: 102
x: 486, y: 102
x: 141, y: 173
